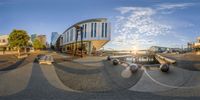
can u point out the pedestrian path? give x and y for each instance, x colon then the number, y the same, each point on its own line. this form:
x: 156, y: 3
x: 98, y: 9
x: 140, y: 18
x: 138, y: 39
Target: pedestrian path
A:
x: 15, y: 80
x: 91, y: 61
x: 44, y: 87
x: 155, y: 81
x: 50, y: 74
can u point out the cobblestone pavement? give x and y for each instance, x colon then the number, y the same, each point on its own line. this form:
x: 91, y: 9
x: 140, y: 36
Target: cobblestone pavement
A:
x: 41, y: 88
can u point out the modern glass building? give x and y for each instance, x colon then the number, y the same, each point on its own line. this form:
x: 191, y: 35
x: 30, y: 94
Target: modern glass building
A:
x: 42, y: 39
x: 54, y: 37
x: 95, y: 34
x: 33, y: 37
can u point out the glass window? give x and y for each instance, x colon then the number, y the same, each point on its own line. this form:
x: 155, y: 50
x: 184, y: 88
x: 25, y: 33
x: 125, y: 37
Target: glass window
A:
x: 72, y: 35
x: 85, y: 30
x: 67, y: 36
x: 105, y: 29
x: 102, y: 31
x: 91, y: 29
x: 95, y: 29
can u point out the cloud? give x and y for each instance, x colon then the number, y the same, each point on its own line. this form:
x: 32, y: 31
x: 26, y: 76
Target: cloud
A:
x: 136, y: 10
x: 136, y: 27
x: 174, y: 6
x: 168, y: 8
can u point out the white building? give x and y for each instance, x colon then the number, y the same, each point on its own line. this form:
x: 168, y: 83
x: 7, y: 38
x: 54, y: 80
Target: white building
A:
x: 96, y: 33
x: 197, y: 44
x: 3, y: 42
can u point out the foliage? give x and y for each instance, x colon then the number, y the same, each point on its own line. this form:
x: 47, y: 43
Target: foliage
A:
x: 37, y: 44
x: 18, y: 38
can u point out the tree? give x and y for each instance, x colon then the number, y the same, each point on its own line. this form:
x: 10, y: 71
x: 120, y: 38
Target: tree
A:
x: 37, y: 44
x: 18, y: 39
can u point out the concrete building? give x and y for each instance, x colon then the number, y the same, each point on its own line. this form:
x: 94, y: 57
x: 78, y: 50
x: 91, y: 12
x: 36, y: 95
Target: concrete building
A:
x: 158, y: 49
x: 190, y: 47
x: 42, y: 39
x: 197, y: 45
x: 95, y: 34
x: 4, y: 42
x: 194, y: 46
x: 57, y: 46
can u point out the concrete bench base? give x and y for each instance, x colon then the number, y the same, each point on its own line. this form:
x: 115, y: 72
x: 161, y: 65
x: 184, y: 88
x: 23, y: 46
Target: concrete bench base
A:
x: 46, y: 60
x: 22, y: 56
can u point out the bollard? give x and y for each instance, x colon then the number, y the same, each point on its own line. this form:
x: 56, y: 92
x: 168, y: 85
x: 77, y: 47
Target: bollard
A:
x: 133, y: 67
x: 164, y: 67
x: 109, y: 58
x: 115, y: 62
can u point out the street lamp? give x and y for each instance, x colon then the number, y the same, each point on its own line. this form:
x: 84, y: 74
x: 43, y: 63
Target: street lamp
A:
x: 79, y: 29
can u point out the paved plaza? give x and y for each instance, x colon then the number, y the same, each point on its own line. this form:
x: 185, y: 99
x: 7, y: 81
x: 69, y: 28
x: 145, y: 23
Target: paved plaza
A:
x: 95, y: 78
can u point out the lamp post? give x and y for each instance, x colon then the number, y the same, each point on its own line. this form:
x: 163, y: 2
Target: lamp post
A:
x: 79, y: 29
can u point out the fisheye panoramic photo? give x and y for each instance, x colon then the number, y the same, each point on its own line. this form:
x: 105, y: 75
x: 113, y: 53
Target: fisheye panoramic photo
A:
x: 99, y: 50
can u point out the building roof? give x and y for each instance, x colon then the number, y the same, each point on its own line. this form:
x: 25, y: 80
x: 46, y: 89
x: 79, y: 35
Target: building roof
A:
x: 85, y: 21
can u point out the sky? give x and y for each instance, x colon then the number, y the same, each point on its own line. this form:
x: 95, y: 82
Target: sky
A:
x: 136, y: 24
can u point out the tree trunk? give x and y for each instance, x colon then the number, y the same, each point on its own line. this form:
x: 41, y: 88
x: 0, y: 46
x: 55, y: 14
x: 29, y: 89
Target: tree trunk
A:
x: 18, y: 50
x: 25, y: 50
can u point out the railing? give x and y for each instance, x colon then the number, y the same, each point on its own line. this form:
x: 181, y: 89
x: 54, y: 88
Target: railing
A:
x: 163, y: 59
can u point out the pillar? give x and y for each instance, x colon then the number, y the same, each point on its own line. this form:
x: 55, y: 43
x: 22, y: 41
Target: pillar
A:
x: 90, y: 47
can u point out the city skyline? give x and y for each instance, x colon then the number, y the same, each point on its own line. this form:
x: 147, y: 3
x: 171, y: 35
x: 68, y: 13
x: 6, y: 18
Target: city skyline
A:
x: 136, y: 24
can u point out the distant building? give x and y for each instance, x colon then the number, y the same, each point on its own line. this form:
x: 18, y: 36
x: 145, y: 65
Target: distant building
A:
x: 198, y: 39
x: 194, y: 46
x: 197, y: 44
x: 4, y: 42
x: 96, y: 33
x: 190, y: 46
x: 33, y: 37
x: 42, y: 39
x: 158, y: 49
x: 54, y: 37
x: 58, y: 47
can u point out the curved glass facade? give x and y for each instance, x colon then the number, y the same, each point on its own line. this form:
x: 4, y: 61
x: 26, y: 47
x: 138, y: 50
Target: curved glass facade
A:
x: 96, y: 33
